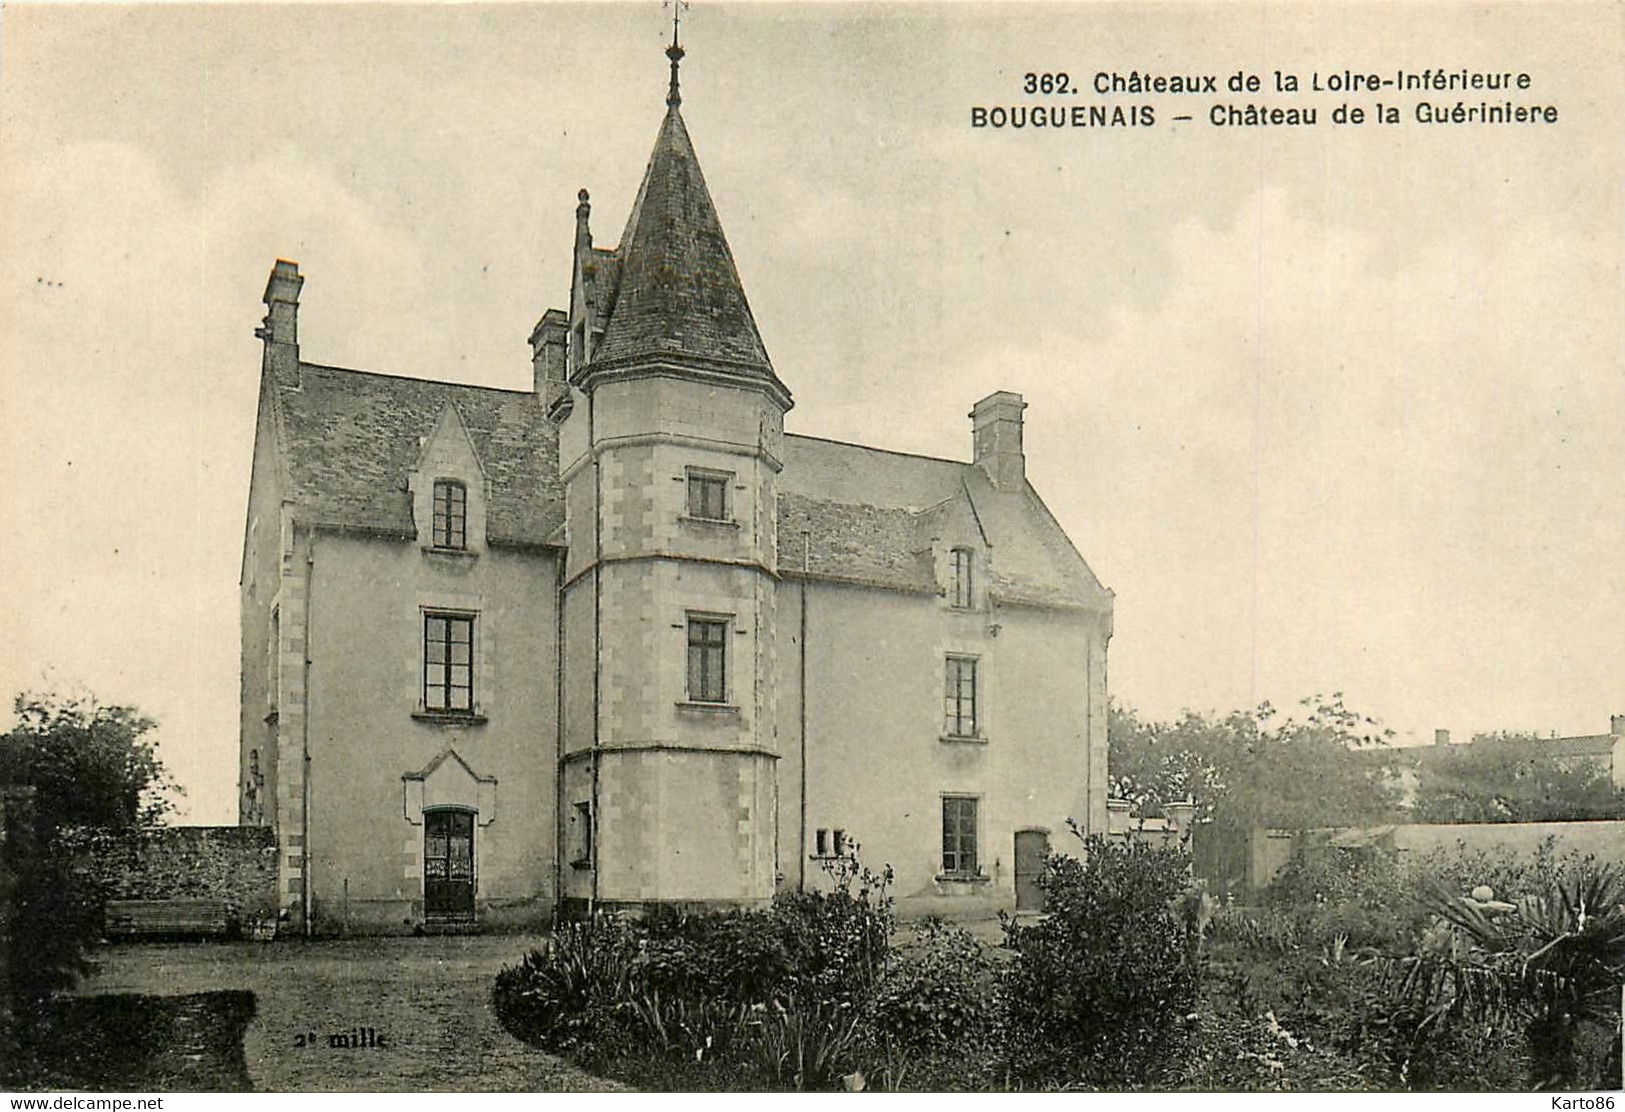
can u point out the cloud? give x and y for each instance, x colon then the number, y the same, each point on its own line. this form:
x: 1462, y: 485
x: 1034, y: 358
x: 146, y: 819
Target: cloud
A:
x: 1303, y: 471
x: 131, y: 373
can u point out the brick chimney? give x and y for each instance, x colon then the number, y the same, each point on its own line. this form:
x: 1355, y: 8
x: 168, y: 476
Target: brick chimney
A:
x: 1441, y: 737
x: 996, y: 424
x: 280, y: 329
x: 548, y: 341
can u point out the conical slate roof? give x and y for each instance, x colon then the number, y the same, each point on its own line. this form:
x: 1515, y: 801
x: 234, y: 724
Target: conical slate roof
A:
x: 679, y: 293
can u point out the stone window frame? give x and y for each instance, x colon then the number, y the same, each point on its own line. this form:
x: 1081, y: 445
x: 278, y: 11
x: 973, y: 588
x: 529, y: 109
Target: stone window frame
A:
x: 955, y: 836
x: 273, y: 661
x: 581, y: 820
x: 443, y: 534
x: 962, y: 578
x: 955, y: 697
x: 832, y: 843
x: 725, y: 623
x: 474, y: 712
x: 708, y: 478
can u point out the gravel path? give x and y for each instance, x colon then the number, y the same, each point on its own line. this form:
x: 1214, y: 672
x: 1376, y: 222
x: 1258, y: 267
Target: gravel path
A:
x: 427, y: 1000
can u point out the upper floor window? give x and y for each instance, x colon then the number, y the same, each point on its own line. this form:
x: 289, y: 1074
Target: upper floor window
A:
x: 273, y: 661
x: 960, y: 589
x: 959, y: 698
x: 708, y: 495
x: 448, y: 663
x: 707, y: 660
x: 450, y: 514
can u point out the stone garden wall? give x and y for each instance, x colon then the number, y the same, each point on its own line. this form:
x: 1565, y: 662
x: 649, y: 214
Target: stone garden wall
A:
x: 237, y: 864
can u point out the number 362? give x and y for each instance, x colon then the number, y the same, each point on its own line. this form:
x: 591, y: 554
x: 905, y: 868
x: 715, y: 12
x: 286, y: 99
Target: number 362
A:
x: 1046, y: 83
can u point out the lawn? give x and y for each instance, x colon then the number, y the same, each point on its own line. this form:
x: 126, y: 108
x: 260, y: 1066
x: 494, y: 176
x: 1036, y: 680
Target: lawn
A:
x: 413, y: 1014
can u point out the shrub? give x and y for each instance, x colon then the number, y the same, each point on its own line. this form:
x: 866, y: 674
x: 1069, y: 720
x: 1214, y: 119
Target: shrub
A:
x: 1272, y: 931
x: 737, y: 957
x: 1357, y: 894
x: 576, y: 994
x: 938, y: 992
x: 780, y: 996
x: 1549, y: 968
x: 700, y: 1028
x: 1226, y: 1051
x: 1461, y: 868
x: 806, y: 1044
x: 1099, y: 984
x: 836, y: 942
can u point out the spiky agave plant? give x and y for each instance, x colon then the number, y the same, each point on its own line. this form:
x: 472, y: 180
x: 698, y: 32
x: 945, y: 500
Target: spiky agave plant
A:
x: 1553, y: 962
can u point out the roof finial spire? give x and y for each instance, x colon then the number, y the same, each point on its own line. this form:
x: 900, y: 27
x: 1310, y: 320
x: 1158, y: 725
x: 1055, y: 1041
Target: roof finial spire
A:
x: 675, y: 50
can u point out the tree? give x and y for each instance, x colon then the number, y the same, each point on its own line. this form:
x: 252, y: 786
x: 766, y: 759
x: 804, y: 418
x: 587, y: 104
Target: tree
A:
x: 89, y: 764
x: 1096, y: 985
x: 1508, y: 778
x: 67, y: 762
x: 1255, y: 768
x: 1550, y: 965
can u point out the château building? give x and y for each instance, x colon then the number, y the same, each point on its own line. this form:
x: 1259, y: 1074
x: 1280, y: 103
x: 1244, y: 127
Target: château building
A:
x: 621, y: 639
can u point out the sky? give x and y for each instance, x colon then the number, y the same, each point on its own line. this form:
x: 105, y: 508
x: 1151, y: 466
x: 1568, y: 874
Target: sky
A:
x: 1333, y: 408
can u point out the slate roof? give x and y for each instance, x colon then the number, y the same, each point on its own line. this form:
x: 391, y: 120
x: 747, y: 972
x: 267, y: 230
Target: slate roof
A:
x: 678, y: 292
x: 867, y: 515
x: 351, y: 438
x: 669, y: 292
x: 1588, y: 745
x: 846, y: 512
x: 861, y: 544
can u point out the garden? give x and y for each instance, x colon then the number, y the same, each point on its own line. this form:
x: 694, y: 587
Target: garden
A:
x: 1464, y: 971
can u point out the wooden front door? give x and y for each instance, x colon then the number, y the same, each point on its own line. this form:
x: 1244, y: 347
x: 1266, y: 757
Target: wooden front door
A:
x: 448, y: 863
x: 1032, y: 846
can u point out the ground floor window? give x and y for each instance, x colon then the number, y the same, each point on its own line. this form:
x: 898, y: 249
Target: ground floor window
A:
x: 959, y: 835
x: 582, y: 819
x: 832, y: 843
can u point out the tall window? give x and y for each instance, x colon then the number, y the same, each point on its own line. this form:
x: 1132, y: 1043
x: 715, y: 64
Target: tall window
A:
x: 583, y: 834
x: 707, y: 660
x: 450, y: 514
x: 959, y: 835
x: 959, y: 698
x: 273, y: 661
x: 962, y: 584
x: 708, y: 495
x: 448, y: 663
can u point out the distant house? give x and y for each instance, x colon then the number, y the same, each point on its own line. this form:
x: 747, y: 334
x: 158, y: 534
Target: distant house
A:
x: 1412, y: 768
x: 1604, y: 750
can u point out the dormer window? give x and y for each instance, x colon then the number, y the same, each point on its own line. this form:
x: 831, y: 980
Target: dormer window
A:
x: 450, y: 514
x: 708, y: 495
x: 961, y: 587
